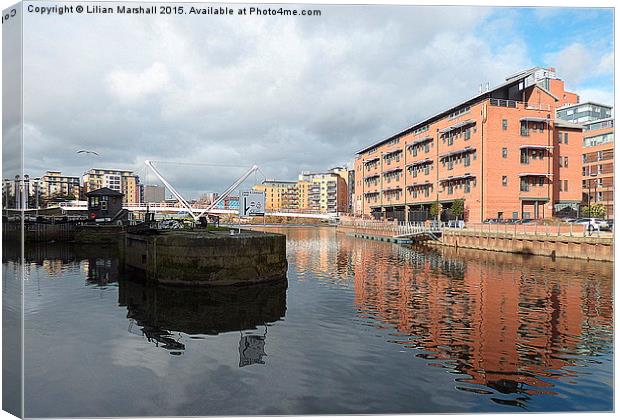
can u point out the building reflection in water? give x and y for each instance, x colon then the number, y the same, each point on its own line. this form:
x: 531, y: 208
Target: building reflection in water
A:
x: 504, y: 323
x: 164, y: 313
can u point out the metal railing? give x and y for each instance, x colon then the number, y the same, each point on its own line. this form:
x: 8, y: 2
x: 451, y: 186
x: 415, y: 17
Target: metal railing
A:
x: 534, y: 229
x: 395, y: 228
x: 507, y: 103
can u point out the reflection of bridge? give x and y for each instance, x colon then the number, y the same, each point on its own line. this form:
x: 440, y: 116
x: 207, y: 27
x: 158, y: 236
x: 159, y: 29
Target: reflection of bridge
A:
x: 173, y: 208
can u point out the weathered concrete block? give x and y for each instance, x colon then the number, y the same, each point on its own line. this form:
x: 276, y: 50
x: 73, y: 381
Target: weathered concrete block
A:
x: 197, y: 258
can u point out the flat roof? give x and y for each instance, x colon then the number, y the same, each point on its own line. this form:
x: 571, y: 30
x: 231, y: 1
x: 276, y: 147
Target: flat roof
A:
x: 567, y: 124
x: 583, y: 103
x: 509, y: 81
x: 273, y: 181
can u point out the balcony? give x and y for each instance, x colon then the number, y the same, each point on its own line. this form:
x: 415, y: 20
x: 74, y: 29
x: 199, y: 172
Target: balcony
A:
x: 507, y: 103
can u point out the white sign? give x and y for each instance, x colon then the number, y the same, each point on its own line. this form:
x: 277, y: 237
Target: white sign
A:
x: 251, y: 203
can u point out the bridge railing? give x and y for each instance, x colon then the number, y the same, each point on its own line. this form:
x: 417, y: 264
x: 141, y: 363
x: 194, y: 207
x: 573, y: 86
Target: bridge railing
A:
x: 394, y: 228
x: 534, y: 229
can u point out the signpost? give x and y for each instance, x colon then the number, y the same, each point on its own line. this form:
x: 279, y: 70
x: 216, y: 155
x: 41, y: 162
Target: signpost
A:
x: 251, y: 203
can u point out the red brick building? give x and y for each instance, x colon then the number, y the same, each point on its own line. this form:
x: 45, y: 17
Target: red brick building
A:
x: 597, y: 153
x: 502, y: 151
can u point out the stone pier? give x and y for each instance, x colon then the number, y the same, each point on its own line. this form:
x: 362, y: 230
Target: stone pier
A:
x: 201, y: 258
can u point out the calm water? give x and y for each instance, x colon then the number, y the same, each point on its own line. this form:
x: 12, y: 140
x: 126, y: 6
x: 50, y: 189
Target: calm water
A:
x: 363, y: 327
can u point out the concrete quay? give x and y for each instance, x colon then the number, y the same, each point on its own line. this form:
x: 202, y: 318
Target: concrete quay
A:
x: 199, y: 258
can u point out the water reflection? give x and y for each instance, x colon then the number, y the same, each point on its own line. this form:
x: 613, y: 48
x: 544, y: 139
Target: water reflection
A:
x: 505, y: 324
x: 370, y: 327
x: 160, y: 313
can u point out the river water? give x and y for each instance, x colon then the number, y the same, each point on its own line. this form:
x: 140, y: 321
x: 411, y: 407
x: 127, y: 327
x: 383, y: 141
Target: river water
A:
x: 362, y: 327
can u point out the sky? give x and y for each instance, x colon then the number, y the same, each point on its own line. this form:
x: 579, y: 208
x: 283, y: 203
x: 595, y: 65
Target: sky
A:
x: 287, y: 93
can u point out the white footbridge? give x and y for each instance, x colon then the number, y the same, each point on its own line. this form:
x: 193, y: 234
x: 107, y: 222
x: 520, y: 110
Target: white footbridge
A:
x: 175, y: 208
x: 185, y: 207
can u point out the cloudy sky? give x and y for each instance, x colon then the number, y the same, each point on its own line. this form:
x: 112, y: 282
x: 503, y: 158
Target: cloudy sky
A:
x: 286, y: 93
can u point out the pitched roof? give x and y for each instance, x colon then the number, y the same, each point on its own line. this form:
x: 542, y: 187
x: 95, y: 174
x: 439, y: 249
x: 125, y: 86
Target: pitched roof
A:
x: 104, y: 191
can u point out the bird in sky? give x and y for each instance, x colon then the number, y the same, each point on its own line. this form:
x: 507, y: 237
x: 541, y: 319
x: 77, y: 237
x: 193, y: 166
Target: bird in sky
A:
x: 88, y: 151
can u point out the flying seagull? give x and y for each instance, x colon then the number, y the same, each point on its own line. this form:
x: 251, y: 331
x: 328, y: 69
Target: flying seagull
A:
x: 88, y: 151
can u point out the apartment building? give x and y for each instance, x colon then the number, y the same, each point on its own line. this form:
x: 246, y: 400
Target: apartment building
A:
x: 327, y: 192
x: 279, y: 195
x: 324, y: 192
x: 55, y: 184
x: 125, y: 182
x: 598, y: 151
x: 499, y: 151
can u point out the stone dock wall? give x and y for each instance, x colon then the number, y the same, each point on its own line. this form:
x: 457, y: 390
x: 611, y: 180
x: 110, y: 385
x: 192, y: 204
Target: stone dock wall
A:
x: 589, y: 247
x: 213, y: 259
x: 552, y: 241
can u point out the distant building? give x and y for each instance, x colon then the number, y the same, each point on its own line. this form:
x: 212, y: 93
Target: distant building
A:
x: 104, y: 203
x: 15, y: 192
x: 280, y: 195
x: 324, y: 192
x: 327, y: 192
x: 55, y: 185
x: 154, y: 194
x: 122, y: 181
x: 598, y: 151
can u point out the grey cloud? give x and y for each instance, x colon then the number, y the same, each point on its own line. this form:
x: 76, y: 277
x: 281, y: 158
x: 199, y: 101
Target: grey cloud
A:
x: 287, y: 94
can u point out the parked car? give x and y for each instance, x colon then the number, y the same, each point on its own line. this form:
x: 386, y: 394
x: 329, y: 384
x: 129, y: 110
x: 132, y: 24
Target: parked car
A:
x: 525, y: 221
x: 592, y: 223
x: 610, y: 223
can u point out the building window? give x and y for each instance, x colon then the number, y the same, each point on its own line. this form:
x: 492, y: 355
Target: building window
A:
x: 566, y: 161
x: 525, y: 159
x: 524, y: 185
x: 504, y: 125
x: 467, y: 134
x: 565, y: 138
x: 504, y: 152
x: 566, y: 185
x: 559, y: 138
x: 504, y: 180
x: 524, y: 129
x: 466, y: 160
x: 515, y: 214
x: 450, y: 189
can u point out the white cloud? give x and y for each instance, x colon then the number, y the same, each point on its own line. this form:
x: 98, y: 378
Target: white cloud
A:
x: 576, y: 63
x: 605, y: 97
x: 130, y: 86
